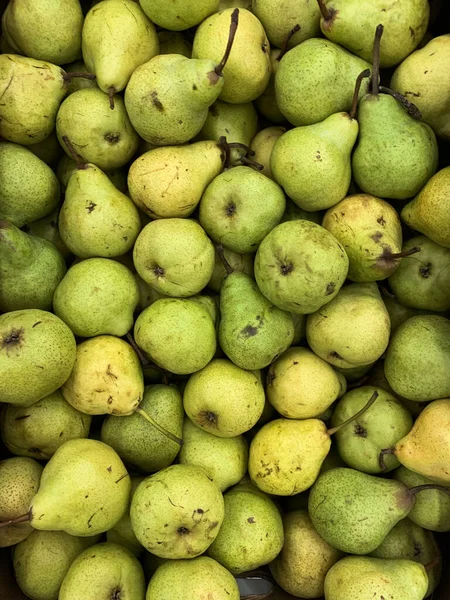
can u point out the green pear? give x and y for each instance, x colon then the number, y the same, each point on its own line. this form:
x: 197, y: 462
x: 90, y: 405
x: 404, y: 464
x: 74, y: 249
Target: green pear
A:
x: 224, y: 459
x: 122, y: 533
x: 97, y: 296
x: 104, y: 570
x: 137, y: 442
x: 383, y: 424
x: 405, y: 25
x: 315, y: 80
x: 196, y: 578
x: 42, y: 560
x: 299, y: 266
x: 117, y: 38
x: 370, y: 231
x: 29, y: 189
x: 178, y: 16
x: 423, y: 78
x: 223, y: 4
x: 37, y: 354
x: 177, y: 334
x: 294, y: 213
x: 47, y: 228
x: 78, y: 83
x: 19, y: 482
x: 251, y: 534
x: 45, y: 30
x: 238, y: 262
x: 106, y: 378
x: 231, y: 211
x: 177, y: 513
x: 262, y: 145
x: 173, y: 42
x: 305, y: 559
x: 30, y: 269
x: 84, y: 490
x: 169, y: 182
x: 428, y: 211
x: 432, y: 507
x: 417, y: 364
x: 359, y: 577
x: 224, y: 399
x: 354, y: 374
x: 266, y: 103
x: 180, y: 268
x: 300, y: 385
x: 39, y: 430
x: 49, y: 150
x: 279, y: 17
x: 105, y: 137
x: 96, y: 220
x: 66, y: 166
x: 353, y: 329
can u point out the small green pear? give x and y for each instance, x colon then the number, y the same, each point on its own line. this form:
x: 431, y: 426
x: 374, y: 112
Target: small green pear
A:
x: 49, y: 150
x: 178, y: 15
x: 279, y: 17
x: 266, y: 103
x: 47, y: 228
x: 122, y: 533
x: 238, y: 262
x: 173, y: 42
x: 262, y: 145
x: 294, y: 213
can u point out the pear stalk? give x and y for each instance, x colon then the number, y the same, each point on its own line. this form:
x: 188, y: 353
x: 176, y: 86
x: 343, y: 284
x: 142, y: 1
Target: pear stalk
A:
x: 410, y: 108
x: 361, y: 76
x: 144, y: 360
x: 284, y: 45
x: 326, y: 13
x: 111, y: 92
x: 81, y: 163
x: 376, y: 59
x: 404, y: 254
x: 372, y: 399
x: 21, y: 519
x: 168, y: 434
x: 233, y: 27
x: 72, y: 75
x: 225, y: 263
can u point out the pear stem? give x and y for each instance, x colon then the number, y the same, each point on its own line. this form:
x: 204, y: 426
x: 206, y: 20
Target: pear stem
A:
x: 150, y: 419
x: 358, y: 83
x: 429, y: 486
x: 376, y: 59
x: 144, y: 360
x: 383, y: 453
x: 22, y: 519
x: 372, y: 399
x: 111, y: 92
x: 404, y: 254
x: 81, y: 163
x: 245, y: 160
x: 233, y: 27
x: 71, y: 75
x: 432, y: 564
x: 410, y: 107
x: 225, y: 148
x: 226, y: 264
x: 326, y: 14
x: 287, y: 39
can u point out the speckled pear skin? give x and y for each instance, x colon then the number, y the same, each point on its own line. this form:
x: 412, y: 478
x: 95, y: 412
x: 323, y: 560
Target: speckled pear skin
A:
x: 238, y: 262
x: 122, y: 533
x: 358, y: 577
x: 237, y: 122
x: 279, y: 17
x: 38, y: 344
x: 262, y: 145
x: 178, y: 16
x: 417, y: 364
x: 177, y: 513
x: 19, y: 482
x: 353, y: 511
x: 196, y: 578
x: 252, y: 531
x: 29, y: 189
x: 173, y: 42
x: 84, y: 490
x: 104, y: 570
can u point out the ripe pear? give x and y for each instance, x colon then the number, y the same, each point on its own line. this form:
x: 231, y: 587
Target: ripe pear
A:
x: 178, y: 15
x: 180, y: 268
x: 67, y: 166
x: 266, y: 103
x: 262, y: 145
x: 238, y: 262
x: 39, y: 430
x: 19, y: 482
x: 169, y: 182
x: 37, y: 353
x: 122, y: 533
x: 29, y: 189
x: 177, y: 513
x: 224, y: 399
x: 279, y: 17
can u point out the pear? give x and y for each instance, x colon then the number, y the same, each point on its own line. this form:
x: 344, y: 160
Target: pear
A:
x: 397, y: 312
x: 417, y: 364
x: 294, y: 213
x: 19, y: 482
x: 305, y: 559
x: 266, y: 103
x: 231, y: 211
x: 428, y: 213
x: 315, y: 80
x: 105, y: 137
x: 78, y: 83
x: 178, y: 16
x: 300, y: 385
x: 122, y: 533
x: 37, y: 353
x: 106, y: 378
x: 97, y: 296
x: 224, y: 459
x: 177, y: 513
x: 106, y: 570
x: 42, y: 560
x: 29, y: 189
x: 30, y: 270
x: 180, y: 268
x: 262, y: 145
x: 224, y: 399
x: 169, y: 182
x: 405, y: 25
x: 432, y: 507
x: 177, y: 334
x: 299, y: 266
x: 66, y: 166
x: 139, y: 443
x: 173, y: 42
x: 45, y: 30
x: 423, y: 79
x: 47, y: 228
x: 353, y: 329
x: 358, y: 577
x: 279, y: 17
x: 251, y: 534
x: 39, y: 430
x: 195, y: 578
x: 238, y: 262
x: 117, y: 38
x: 370, y: 231
x: 49, y: 150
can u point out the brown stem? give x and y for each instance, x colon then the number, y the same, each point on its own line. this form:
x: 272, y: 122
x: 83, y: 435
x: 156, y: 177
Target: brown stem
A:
x: 71, y: 75
x: 81, y: 163
x: 226, y: 264
x: 429, y: 486
x: 22, y: 519
x: 372, y: 399
x: 410, y: 108
x: 144, y: 360
x: 284, y: 46
x: 147, y: 417
x: 248, y: 150
x: 245, y: 160
x: 383, y: 453
x: 233, y: 27
x: 359, y: 383
x: 429, y: 566
x: 326, y: 14
x: 111, y: 92
x: 376, y: 59
x: 225, y: 148
x: 359, y: 79
x: 404, y: 254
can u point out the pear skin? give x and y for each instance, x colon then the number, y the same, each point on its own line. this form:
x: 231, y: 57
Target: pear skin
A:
x: 279, y: 17
x: 178, y: 16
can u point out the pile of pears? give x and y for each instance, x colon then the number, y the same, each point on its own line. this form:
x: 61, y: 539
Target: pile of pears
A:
x: 224, y: 299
